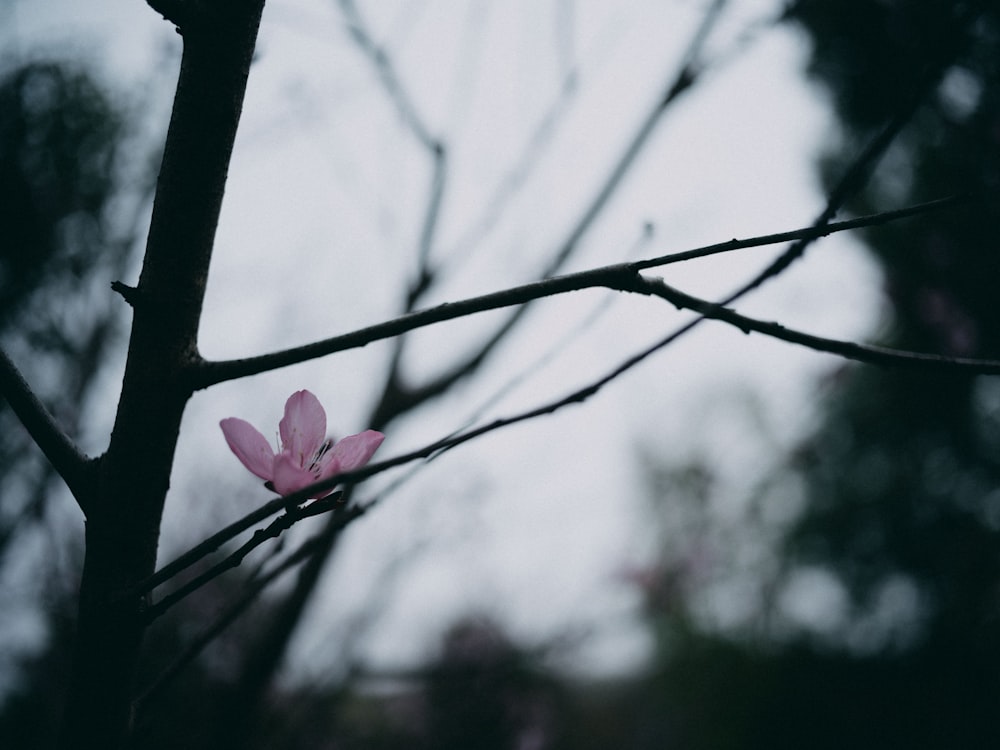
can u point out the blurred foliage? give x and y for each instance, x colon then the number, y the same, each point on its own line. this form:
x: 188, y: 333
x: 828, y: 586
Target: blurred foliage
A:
x: 877, y: 621
x: 902, y: 476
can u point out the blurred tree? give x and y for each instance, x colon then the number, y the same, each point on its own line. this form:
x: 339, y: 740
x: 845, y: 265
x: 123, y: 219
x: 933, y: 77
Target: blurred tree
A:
x: 923, y: 449
x: 901, y: 479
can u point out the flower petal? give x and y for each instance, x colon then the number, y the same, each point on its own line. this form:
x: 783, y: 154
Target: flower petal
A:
x: 353, y: 452
x: 290, y: 477
x: 303, y: 428
x: 250, y: 447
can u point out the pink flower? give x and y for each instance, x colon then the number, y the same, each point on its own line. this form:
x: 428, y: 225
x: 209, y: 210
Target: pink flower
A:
x: 306, y: 454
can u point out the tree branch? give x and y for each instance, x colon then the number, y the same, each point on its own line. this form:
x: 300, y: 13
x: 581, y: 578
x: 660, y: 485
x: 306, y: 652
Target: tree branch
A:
x: 207, y: 373
x: 344, y: 515
x: 868, y: 353
x: 223, y: 621
x: 212, y: 543
x: 76, y: 469
x: 397, y: 93
x: 123, y: 520
x: 387, y: 74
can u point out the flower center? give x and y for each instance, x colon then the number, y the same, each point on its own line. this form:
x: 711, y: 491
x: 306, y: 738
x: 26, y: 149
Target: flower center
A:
x: 317, y: 458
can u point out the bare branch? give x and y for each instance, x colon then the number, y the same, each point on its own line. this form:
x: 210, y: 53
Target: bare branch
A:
x: 207, y: 373
x: 227, y: 618
x: 432, y: 214
x: 387, y: 74
x: 76, y: 469
x: 813, y: 232
x: 210, y: 545
x: 876, y: 355
x: 396, y: 91
x: 284, y: 522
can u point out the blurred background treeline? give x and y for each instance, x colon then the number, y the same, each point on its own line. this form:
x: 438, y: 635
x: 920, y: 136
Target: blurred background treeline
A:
x: 866, y: 566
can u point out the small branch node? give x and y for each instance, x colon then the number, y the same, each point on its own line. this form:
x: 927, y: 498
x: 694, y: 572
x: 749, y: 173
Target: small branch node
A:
x: 173, y: 11
x: 128, y: 293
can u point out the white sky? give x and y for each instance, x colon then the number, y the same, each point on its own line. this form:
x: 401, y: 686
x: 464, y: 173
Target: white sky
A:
x: 324, y: 204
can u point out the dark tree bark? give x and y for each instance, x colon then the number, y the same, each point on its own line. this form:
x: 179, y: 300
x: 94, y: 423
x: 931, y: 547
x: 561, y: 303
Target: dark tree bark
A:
x: 123, y: 516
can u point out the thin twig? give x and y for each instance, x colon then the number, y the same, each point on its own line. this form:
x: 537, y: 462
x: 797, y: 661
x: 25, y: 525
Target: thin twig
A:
x: 815, y: 231
x: 432, y: 215
x: 387, y: 74
x: 272, y: 531
x: 381, y: 61
x: 868, y: 353
x: 210, y: 545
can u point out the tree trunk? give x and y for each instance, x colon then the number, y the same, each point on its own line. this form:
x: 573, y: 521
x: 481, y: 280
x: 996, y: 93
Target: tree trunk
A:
x: 123, y: 520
